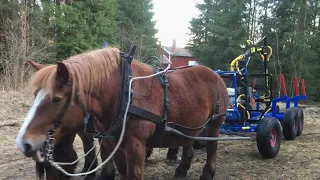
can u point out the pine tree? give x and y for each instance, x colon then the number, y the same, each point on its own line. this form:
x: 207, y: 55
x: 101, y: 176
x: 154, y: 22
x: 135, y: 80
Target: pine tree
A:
x: 291, y: 27
x: 218, y: 32
x: 135, y: 26
x: 81, y: 25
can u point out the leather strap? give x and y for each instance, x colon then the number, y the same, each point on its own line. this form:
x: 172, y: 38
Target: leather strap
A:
x: 145, y: 114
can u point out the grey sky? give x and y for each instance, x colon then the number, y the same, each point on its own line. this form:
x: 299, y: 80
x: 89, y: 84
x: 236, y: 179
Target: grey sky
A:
x: 173, y: 18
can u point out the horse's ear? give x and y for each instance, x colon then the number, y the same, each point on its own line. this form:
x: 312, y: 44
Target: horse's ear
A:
x: 63, y: 74
x: 36, y: 66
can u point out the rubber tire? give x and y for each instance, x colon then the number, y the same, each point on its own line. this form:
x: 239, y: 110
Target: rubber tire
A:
x: 290, y: 124
x: 300, y: 117
x: 264, y: 134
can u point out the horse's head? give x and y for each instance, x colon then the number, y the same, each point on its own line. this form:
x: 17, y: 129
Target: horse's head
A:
x: 76, y: 84
x: 52, y: 92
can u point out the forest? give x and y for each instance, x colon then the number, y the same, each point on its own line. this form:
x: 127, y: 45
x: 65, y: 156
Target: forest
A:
x: 50, y: 30
x: 291, y: 27
x: 47, y: 31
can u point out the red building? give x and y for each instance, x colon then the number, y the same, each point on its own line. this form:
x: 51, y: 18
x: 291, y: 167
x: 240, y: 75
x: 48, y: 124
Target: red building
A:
x: 178, y: 56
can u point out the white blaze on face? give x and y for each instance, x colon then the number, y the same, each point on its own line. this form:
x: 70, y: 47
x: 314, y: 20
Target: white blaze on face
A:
x: 40, y: 96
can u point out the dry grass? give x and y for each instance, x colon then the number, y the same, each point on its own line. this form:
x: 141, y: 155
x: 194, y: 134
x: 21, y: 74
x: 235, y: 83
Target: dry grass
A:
x: 299, y: 159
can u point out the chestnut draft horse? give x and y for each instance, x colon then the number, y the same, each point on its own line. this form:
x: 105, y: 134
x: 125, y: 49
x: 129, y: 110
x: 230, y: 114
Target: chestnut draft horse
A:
x: 93, y: 80
x: 64, y: 152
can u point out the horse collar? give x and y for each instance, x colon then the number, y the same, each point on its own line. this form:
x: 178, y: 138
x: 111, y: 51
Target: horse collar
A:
x: 115, y: 127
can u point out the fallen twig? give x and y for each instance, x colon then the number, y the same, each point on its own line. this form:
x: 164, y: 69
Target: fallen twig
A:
x: 9, y: 124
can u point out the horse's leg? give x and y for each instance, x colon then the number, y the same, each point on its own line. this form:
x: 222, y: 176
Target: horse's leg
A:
x: 40, y: 168
x: 108, y: 170
x: 172, y: 153
x: 52, y: 173
x: 121, y: 164
x: 149, y: 152
x: 136, y: 154
x: 184, y: 166
x: 90, y: 161
x: 212, y: 130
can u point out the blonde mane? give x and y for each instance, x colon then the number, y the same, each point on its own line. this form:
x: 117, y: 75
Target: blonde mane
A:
x: 88, y: 71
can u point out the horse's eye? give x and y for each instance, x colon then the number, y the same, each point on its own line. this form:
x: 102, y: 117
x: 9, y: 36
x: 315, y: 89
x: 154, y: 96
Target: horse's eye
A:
x: 56, y: 100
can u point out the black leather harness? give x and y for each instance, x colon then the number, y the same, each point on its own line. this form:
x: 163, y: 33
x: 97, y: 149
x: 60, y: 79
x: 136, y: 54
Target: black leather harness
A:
x: 134, y: 110
x: 114, y: 130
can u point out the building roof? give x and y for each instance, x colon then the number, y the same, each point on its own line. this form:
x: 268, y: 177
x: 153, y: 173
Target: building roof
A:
x: 179, y: 51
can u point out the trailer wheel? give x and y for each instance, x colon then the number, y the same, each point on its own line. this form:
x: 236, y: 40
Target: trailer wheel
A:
x: 269, y: 137
x: 300, y: 117
x: 290, y: 124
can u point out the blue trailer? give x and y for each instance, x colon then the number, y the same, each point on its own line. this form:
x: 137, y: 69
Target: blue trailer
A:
x: 255, y: 109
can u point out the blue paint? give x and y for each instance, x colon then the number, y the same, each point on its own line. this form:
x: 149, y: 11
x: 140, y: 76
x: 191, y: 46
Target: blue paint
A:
x: 233, y: 121
x: 233, y: 115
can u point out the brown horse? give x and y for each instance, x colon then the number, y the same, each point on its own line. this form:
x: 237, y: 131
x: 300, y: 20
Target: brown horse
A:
x: 94, y: 80
x: 64, y: 151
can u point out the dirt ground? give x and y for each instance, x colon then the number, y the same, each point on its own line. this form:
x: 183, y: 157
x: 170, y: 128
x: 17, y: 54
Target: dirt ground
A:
x: 298, y: 159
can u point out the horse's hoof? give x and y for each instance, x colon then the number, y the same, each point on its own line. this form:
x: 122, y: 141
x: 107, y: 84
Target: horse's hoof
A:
x: 181, y: 173
x: 207, y: 174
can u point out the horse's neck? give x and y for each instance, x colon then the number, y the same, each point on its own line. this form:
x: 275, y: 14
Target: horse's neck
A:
x: 104, y: 107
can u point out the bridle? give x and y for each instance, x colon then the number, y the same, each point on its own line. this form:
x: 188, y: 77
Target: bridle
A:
x: 51, y: 141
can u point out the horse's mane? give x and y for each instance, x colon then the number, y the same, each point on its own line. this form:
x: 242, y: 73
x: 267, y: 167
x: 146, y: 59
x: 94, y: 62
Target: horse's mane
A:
x: 88, y: 71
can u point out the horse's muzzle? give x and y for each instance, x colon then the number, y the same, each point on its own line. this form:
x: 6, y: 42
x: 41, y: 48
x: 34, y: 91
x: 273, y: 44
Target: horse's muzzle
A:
x: 35, y: 152
x: 27, y: 149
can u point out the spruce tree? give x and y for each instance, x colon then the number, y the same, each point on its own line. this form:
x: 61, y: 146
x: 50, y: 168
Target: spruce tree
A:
x: 135, y: 26
x: 218, y: 32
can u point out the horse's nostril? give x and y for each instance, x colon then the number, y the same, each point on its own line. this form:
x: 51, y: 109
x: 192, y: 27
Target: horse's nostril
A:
x: 27, y: 149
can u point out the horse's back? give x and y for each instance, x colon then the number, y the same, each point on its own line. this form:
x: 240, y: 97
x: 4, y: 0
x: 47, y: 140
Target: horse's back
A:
x: 194, y: 92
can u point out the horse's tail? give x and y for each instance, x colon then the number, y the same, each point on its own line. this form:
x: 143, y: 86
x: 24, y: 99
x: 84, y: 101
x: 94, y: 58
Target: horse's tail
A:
x: 39, y: 171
